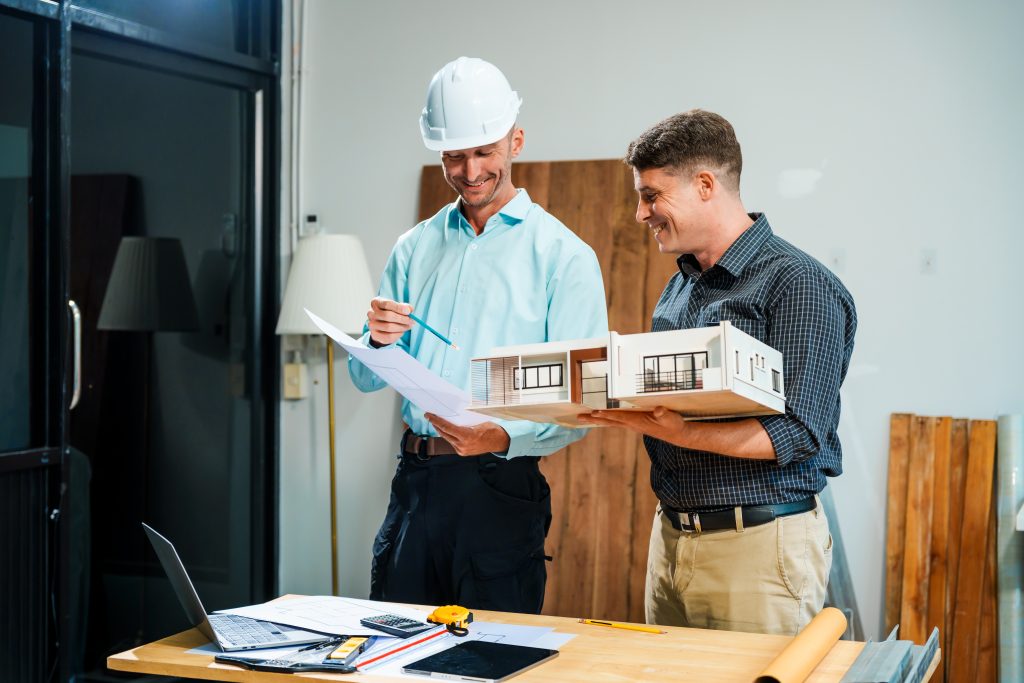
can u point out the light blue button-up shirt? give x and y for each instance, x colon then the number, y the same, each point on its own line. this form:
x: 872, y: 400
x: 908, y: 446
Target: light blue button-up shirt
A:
x: 526, y: 278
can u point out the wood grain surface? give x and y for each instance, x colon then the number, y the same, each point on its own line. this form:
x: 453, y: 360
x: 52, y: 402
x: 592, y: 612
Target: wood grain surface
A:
x: 896, y: 515
x: 596, y: 654
x: 917, y: 547
x: 957, y: 479
x: 947, y: 577
x: 974, y: 535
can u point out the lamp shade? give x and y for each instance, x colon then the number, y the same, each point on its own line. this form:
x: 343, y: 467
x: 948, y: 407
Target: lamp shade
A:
x: 329, y: 276
x: 149, y: 289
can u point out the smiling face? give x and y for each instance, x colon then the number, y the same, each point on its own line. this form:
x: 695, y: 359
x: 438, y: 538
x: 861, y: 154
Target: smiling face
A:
x: 482, y: 175
x: 674, y: 206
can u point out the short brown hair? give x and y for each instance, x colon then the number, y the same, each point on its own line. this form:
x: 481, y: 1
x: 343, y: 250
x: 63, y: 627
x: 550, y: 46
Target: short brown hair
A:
x: 688, y: 140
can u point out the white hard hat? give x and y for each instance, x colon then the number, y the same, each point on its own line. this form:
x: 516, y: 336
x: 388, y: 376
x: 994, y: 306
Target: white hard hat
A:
x: 469, y: 104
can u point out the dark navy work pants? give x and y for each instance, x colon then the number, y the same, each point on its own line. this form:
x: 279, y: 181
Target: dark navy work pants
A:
x: 467, y: 531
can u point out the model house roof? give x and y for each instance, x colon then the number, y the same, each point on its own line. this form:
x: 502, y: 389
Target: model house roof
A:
x: 546, y: 348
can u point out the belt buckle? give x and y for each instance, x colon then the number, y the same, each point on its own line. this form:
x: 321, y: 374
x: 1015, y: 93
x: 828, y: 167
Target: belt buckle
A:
x: 690, y: 521
x: 421, y: 449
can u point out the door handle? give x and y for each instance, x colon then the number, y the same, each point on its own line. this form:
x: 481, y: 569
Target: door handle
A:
x: 76, y: 322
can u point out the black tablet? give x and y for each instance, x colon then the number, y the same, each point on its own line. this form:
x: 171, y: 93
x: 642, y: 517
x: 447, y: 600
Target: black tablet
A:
x: 479, y: 660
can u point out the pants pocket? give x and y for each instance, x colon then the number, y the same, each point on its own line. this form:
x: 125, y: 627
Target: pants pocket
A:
x: 383, y: 546
x: 387, y: 535
x: 508, y: 580
x: 804, y: 554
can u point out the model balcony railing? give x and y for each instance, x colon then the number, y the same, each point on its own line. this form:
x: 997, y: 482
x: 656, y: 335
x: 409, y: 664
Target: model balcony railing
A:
x: 594, y: 385
x: 650, y: 382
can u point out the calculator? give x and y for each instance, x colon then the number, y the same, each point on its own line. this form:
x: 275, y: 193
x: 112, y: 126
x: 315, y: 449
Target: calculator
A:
x: 395, y: 625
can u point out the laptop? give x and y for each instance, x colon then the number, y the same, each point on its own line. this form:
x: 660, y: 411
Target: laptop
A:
x: 230, y: 632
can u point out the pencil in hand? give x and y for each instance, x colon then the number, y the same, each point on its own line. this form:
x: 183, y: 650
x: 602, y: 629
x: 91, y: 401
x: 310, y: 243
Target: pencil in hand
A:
x: 437, y: 334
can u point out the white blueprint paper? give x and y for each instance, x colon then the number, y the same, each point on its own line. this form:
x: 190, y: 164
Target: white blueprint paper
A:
x: 408, y: 376
x: 326, y: 614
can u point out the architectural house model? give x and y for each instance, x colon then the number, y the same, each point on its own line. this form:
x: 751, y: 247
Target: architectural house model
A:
x: 701, y: 373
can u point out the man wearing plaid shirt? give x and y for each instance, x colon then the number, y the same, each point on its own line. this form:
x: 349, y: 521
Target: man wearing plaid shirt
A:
x: 740, y: 541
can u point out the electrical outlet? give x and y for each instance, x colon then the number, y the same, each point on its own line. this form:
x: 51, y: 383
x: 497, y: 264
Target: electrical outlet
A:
x: 296, y: 381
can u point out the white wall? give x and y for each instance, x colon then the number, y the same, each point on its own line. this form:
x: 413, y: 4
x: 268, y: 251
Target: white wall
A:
x: 367, y: 432
x: 876, y: 136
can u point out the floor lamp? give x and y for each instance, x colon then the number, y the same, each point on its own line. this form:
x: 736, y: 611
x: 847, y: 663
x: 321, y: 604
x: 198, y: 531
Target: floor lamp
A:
x: 149, y: 291
x: 329, y: 276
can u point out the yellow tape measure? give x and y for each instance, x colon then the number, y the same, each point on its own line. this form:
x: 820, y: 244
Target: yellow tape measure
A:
x: 456, y: 618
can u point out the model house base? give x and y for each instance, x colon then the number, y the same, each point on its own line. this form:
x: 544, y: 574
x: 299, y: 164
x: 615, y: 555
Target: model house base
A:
x: 701, y: 373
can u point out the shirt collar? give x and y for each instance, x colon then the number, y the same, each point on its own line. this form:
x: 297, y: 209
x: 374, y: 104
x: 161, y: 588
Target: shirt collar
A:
x: 739, y: 253
x: 513, y: 212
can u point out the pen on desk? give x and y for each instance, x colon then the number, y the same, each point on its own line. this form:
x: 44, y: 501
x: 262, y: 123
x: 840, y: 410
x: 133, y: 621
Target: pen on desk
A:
x: 321, y: 644
x: 628, y: 627
x: 437, y: 334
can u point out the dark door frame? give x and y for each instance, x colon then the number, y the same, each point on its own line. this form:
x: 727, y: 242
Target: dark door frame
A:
x: 60, y: 27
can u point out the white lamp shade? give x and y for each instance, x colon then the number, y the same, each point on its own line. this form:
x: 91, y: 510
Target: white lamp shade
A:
x: 329, y: 276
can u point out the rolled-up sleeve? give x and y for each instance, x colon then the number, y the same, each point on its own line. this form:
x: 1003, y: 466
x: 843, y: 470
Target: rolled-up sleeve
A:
x: 811, y: 323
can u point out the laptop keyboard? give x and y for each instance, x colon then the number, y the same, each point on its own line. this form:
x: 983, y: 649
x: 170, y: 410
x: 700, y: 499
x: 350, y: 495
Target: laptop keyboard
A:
x: 245, y: 631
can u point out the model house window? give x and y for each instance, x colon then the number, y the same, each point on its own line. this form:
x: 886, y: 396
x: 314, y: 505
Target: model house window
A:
x: 737, y: 361
x: 672, y: 372
x: 538, y: 377
x: 751, y: 369
x: 777, y: 381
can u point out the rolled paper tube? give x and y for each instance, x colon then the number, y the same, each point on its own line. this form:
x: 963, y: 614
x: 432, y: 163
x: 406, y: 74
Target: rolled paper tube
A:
x: 796, y: 662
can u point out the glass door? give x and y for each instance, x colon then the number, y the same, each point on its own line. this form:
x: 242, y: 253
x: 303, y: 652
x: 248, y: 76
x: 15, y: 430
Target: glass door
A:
x: 172, y: 414
x: 128, y: 131
x: 32, y: 366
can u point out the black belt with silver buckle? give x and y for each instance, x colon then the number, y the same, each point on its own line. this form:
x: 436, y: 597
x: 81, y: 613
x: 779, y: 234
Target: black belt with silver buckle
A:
x: 751, y: 515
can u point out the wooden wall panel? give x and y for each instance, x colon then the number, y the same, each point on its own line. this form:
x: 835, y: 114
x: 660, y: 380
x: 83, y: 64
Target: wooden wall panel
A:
x: 938, y: 554
x: 896, y: 515
x: 957, y: 479
x: 917, y: 549
x: 974, y: 534
x: 947, y: 577
x: 602, y: 504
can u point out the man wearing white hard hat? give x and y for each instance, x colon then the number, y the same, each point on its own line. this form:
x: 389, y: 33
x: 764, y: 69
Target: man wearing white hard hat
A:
x: 469, y: 507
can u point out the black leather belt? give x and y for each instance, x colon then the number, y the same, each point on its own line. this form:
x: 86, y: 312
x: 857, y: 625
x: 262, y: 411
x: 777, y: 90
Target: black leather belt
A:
x: 751, y: 515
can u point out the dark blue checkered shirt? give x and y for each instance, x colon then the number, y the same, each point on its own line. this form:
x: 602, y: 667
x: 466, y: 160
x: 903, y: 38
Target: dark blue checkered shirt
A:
x: 773, y: 291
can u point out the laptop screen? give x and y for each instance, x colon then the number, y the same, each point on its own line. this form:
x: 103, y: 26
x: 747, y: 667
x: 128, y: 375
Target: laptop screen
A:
x: 182, y: 585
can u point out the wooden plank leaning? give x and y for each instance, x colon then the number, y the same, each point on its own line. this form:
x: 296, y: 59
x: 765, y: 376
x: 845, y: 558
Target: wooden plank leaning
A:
x: 917, y: 547
x: 896, y: 515
x: 974, y: 533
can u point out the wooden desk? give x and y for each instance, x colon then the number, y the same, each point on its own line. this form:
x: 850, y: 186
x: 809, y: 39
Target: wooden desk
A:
x: 682, y: 654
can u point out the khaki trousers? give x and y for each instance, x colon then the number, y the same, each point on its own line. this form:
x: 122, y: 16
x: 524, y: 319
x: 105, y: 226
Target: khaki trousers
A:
x: 769, y: 578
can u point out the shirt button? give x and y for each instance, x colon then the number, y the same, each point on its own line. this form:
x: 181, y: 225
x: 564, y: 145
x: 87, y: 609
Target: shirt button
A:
x: 455, y: 330
x: 473, y: 247
x: 447, y: 373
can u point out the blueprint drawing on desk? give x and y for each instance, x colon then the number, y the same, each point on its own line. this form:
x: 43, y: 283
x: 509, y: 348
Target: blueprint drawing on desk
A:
x: 408, y: 376
x: 326, y: 614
